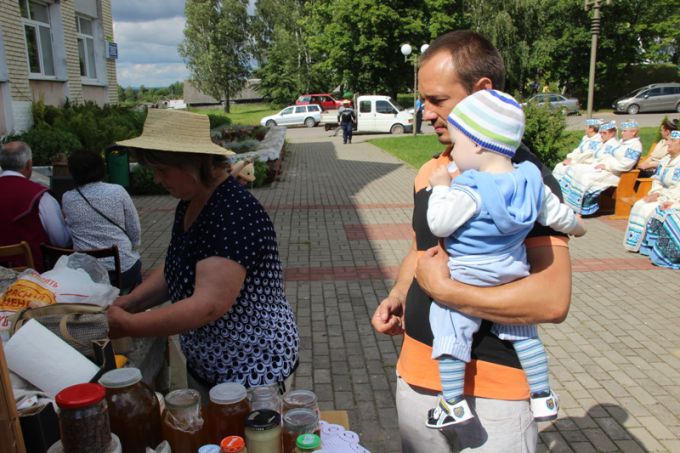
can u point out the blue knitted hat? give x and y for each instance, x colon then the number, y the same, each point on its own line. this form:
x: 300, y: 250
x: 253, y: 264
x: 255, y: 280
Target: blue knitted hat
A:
x: 492, y: 119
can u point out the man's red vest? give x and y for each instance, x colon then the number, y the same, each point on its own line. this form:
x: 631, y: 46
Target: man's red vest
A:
x: 19, y: 215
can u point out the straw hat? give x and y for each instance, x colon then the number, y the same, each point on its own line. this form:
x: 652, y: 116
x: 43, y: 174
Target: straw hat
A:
x: 174, y: 131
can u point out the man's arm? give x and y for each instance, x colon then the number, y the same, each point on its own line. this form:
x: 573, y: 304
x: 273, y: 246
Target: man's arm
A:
x: 543, y: 296
x: 388, y: 317
x: 53, y: 222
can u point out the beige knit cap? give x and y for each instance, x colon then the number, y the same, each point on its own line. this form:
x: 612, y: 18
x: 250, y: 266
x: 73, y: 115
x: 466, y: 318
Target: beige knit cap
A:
x: 175, y: 131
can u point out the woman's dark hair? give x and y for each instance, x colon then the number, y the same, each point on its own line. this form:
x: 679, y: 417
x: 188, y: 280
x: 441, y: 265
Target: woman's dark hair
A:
x: 473, y: 57
x: 202, y: 164
x: 86, y: 167
x: 671, y: 125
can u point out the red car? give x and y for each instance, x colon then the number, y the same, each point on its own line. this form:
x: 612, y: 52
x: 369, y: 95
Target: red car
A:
x: 325, y: 100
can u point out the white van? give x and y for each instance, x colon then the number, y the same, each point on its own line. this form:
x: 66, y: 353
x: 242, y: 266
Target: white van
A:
x: 375, y: 113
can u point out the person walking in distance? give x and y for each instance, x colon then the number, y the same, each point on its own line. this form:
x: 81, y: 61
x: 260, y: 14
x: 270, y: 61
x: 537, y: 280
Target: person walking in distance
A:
x: 347, y: 118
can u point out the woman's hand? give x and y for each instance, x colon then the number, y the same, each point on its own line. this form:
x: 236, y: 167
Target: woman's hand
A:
x: 649, y: 198
x: 119, y: 321
x: 600, y: 167
x: 665, y: 205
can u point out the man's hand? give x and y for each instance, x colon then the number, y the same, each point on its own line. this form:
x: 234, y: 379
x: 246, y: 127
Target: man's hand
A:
x: 432, y: 268
x: 440, y: 177
x: 388, y: 317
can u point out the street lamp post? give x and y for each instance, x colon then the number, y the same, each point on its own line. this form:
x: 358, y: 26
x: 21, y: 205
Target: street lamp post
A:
x: 595, y: 31
x: 406, y: 51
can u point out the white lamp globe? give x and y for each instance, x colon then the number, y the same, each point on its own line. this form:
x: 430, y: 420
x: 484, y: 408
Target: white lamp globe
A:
x: 423, y: 48
x: 406, y: 50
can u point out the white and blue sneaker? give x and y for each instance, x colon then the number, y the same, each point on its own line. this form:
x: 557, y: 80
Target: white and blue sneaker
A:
x: 545, y: 406
x: 446, y: 414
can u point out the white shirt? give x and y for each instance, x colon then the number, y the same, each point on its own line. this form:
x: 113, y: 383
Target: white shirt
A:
x: 50, y: 216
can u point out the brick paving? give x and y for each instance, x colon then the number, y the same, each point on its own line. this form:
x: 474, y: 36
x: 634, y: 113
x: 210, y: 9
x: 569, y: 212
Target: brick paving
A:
x: 342, y: 215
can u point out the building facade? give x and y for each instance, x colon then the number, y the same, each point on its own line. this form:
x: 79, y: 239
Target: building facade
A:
x: 51, y: 51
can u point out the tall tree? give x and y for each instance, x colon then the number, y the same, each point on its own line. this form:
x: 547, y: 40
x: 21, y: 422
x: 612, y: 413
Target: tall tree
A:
x: 215, y: 46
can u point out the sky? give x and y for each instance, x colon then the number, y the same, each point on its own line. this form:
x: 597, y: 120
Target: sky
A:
x: 148, y: 33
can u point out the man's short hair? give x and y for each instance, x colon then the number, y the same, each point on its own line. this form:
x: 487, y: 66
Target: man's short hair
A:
x: 473, y: 57
x: 14, y: 156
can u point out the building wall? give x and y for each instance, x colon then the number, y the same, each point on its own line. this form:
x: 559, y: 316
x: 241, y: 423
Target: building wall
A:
x: 20, y: 90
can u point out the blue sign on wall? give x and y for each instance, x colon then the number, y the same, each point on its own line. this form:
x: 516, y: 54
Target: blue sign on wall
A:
x: 111, y: 50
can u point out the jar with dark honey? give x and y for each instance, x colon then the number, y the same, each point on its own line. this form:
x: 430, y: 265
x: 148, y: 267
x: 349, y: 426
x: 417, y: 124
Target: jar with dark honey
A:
x: 182, y: 423
x: 227, y: 411
x: 83, y: 419
x: 134, y: 411
x: 296, y: 422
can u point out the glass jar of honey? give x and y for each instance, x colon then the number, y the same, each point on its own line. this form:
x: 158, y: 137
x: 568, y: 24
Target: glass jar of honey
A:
x: 300, y: 398
x: 83, y: 418
x: 263, y: 431
x: 182, y: 423
x: 296, y: 422
x: 134, y: 411
x: 227, y: 411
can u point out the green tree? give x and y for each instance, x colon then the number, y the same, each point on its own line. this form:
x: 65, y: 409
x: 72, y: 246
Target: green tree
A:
x: 215, y: 46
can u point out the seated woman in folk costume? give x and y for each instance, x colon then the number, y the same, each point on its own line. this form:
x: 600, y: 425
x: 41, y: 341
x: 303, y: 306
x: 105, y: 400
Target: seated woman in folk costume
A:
x: 664, y: 235
x: 583, y: 183
x: 583, y: 153
x: 665, y: 193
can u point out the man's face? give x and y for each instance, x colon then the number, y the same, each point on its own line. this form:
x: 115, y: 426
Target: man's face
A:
x: 441, y: 91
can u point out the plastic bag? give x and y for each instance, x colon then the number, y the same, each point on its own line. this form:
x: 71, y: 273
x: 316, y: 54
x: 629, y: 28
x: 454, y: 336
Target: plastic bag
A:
x: 76, y: 278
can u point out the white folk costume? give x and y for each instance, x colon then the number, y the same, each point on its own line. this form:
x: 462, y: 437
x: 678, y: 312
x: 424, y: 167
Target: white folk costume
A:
x: 583, y: 183
x: 583, y: 153
x: 667, y: 184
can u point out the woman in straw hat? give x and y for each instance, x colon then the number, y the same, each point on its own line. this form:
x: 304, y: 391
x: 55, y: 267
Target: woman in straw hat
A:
x: 222, y: 270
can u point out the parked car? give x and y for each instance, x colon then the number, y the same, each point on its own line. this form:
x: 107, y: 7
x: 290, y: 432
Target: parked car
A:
x: 557, y: 102
x: 325, y: 100
x: 308, y: 115
x: 658, y: 97
x: 375, y: 113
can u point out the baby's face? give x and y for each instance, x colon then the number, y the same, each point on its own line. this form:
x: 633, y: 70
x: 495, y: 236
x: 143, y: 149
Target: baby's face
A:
x: 465, y: 153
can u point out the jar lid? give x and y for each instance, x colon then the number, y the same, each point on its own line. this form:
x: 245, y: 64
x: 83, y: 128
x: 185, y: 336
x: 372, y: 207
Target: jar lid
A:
x: 183, y: 398
x: 232, y: 444
x: 211, y: 448
x: 122, y: 377
x: 299, y: 398
x: 228, y: 393
x: 263, y: 419
x: 308, y: 441
x: 80, y: 395
x: 300, y: 417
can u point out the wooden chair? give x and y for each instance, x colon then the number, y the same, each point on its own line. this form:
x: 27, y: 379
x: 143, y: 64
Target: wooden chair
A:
x: 51, y: 254
x: 630, y: 189
x: 12, y: 255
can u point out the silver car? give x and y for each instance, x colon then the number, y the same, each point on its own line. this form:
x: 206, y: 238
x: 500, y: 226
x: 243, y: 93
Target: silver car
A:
x: 658, y: 97
x: 557, y: 102
x: 295, y: 115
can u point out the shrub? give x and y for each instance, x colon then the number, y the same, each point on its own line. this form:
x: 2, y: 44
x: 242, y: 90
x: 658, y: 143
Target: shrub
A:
x: 46, y: 142
x: 544, y: 133
x: 243, y: 146
x: 261, y: 173
x: 217, y: 120
x: 141, y: 183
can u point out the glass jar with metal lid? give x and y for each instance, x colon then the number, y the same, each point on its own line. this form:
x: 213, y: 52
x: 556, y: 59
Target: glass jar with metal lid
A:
x: 227, y: 411
x: 84, y: 419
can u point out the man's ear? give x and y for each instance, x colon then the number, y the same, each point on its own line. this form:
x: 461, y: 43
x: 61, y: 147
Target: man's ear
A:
x: 484, y: 83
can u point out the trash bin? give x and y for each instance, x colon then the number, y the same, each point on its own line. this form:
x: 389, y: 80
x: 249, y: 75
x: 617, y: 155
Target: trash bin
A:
x: 117, y: 165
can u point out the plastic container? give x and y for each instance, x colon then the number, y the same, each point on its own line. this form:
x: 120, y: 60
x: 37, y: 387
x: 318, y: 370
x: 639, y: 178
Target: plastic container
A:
x: 297, y: 422
x: 233, y: 444
x: 210, y: 448
x: 306, y: 443
x: 227, y: 411
x: 118, y: 165
x: 263, y: 431
x: 182, y: 423
x: 84, y: 419
x: 134, y: 411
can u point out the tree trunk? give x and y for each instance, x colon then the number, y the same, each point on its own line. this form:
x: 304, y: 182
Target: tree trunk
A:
x: 227, y: 104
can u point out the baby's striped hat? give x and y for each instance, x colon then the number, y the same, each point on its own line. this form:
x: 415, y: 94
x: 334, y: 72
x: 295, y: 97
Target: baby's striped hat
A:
x: 492, y: 119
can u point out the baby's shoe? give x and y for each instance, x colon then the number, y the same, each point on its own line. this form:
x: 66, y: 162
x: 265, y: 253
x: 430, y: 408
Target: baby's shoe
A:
x: 545, y: 405
x: 446, y: 414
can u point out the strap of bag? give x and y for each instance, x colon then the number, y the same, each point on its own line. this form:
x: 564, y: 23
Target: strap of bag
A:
x: 105, y: 217
x: 23, y: 316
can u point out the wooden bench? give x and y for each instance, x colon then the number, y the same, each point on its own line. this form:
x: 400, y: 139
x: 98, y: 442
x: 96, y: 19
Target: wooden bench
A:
x: 619, y: 200
x: 336, y: 417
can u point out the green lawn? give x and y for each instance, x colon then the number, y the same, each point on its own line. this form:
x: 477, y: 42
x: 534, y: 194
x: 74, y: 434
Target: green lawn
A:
x: 417, y: 150
x: 241, y: 114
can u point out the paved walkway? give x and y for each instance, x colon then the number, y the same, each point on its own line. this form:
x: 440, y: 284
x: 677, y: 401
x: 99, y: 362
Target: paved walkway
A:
x: 342, y: 213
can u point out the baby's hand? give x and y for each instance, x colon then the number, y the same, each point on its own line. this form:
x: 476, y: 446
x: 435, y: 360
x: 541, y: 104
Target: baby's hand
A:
x: 440, y: 177
x: 580, y: 229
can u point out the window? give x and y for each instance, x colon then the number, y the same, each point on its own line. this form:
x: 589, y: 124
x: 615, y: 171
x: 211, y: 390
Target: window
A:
x: 302, y: 109
x: 287, y: 111
x: 313, y: 108
x: 365, y: 106
x: 36, y: 20
x: 384, y: 107
x: 84, y: 29
x: 655, y: 92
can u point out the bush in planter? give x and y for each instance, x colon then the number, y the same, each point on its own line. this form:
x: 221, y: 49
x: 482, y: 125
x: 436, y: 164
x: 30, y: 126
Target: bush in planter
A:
x: 217, y: 120
x: 141, y: 182
x: 544, y: 133
x: 243, y: 146
x: 46, y: 142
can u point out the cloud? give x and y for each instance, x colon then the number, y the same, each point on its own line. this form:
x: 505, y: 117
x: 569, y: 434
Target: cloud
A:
x: 150, y: 74
x: 140, y: 11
